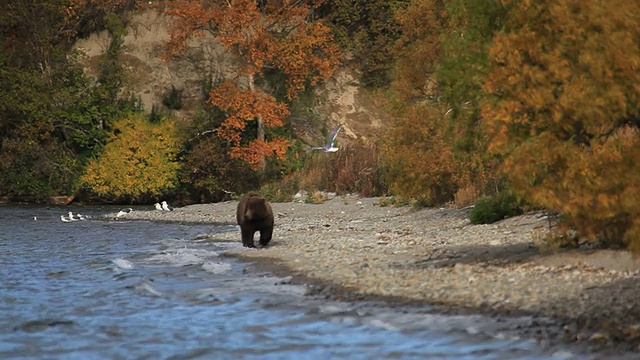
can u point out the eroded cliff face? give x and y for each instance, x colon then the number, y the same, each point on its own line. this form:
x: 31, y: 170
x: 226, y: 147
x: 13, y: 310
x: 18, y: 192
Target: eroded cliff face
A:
x: 338, y: 100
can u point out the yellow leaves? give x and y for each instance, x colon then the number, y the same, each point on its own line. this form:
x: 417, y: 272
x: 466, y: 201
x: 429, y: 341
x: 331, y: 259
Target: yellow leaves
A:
x: 422, y: 165
x: 592, y: 186
x: 578, y: 75
x: 139, y: 160
x: 562, y: 88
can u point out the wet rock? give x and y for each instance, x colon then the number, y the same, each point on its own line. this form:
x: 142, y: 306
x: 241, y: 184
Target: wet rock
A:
x: 42, y: 324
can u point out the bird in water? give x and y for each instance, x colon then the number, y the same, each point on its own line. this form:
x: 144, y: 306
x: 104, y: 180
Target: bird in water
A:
x: 82, y: 217
x: 64, y: 219
x: 166, y: 207
x: 329, y: 146
x: 123, y: 212
x: 71, y: 218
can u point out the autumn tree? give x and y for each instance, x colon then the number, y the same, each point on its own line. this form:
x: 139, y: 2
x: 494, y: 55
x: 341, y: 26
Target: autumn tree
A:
x: 419, y: 159
x: 565, y: 110
x: 263, y: 36
x: 208, y: 173
x: 139, y: 162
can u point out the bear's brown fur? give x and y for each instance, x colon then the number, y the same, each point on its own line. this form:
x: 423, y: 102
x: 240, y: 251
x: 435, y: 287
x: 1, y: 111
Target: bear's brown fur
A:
x: 254, y: 214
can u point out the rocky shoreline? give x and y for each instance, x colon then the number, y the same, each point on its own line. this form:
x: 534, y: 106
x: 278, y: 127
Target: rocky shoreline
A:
x: 353, y: 248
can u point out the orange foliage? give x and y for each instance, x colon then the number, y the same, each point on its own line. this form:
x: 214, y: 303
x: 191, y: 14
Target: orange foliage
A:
x: 423, y: 146
x: 261, y: 34
x: 258, y: 149
x: 277, y: 34
x: 419, y: 48
x: 242, y: 107
x: 566, y: 108
x: 306, y: 55
x: 422, y: 165
x: 574, y: 75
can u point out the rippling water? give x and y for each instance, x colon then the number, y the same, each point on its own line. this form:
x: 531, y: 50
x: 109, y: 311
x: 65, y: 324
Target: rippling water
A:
x: 141, y: 290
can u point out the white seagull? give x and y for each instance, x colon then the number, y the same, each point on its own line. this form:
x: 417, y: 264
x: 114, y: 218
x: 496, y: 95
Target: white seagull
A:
x: 123, y: 212
x: 158, y: 206
x: 71, y: 218
x: 329, y: 147
x: 166, y: 206
x: 64, y: 219
x: 82, y: 217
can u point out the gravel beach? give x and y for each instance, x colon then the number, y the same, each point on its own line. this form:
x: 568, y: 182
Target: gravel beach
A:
x: 352, y: 248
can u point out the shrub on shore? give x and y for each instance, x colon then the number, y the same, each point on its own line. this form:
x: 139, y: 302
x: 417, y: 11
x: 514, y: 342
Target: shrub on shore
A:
x: 492, y: 208
x: 139, y: 161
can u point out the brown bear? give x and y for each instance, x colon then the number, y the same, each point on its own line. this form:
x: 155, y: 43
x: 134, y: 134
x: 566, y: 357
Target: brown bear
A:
x: 254, y: 214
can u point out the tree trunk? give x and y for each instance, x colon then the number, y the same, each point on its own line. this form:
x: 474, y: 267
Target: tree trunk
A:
x: 261, y: 132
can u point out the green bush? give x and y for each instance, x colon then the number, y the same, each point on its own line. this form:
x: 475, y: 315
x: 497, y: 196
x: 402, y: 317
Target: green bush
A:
x: 489, y: 209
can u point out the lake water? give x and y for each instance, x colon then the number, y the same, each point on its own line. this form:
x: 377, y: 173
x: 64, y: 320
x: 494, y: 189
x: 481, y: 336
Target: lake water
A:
x: 106, y: 289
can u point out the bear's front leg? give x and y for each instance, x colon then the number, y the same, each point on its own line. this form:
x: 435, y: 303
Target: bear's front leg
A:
x: 247, y: 236
x: 265, y: 236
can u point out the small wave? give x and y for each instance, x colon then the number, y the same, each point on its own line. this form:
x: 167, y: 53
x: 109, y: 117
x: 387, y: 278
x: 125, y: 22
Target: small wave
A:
x: 147, y: 288
x: 216, y: 267
x: 234, y: 244
x: 123, y: 264
x: 383, y: 324
x: 183, y: 256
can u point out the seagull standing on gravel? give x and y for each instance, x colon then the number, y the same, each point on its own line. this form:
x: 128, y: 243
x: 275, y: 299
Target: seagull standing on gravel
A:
x: 166, y: 206
x: 158, y: 206
x: 329, y: 147
x: 123, y: 212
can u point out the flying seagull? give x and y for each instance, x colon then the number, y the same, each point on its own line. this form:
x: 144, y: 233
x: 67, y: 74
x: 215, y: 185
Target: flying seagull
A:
x: 166, y: 206
x: 329, y: 147
x: 123, y: 212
